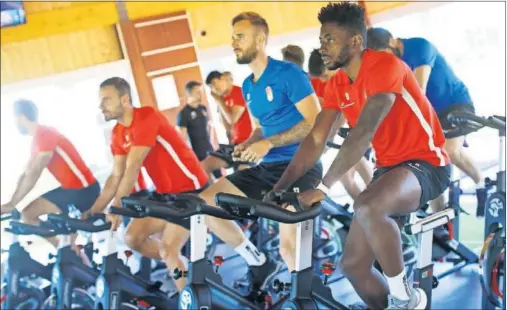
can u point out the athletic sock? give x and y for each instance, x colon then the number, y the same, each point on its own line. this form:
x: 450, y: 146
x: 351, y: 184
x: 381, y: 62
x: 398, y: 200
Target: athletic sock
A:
x: 250, y: 254
x: 398, y: 286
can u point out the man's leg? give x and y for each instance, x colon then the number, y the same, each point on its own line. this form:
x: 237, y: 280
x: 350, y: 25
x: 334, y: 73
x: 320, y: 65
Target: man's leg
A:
x: 357, y: 265
x: 399, y: 190
x: 173, y: 239
x: 138, y: 233
x: 36, y: 208
x: 253, y: 184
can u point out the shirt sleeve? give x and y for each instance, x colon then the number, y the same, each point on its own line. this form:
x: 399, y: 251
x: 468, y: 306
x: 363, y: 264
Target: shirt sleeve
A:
x: 386, y: 76
x: 145, y: 129
x: 117, y: 144
x: 297, y: 84
x: 182, y: 119
x: 427, y: 54
x: 46, y: 140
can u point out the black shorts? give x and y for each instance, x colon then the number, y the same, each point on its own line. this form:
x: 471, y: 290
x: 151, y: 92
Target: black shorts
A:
x: 82, y: 199
x: 442, y: 117
x: 433, y: 180
x: 255, y: 182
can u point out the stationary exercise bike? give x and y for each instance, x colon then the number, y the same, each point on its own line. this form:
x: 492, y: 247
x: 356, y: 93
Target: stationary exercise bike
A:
x: 20, y: 289
x: 306, y: 289
x: 72, y: 279
x: 116, y: 287
x: 205, y: 289
x: 492, y: 259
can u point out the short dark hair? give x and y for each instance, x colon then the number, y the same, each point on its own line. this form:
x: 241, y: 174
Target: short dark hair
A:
x: 120, y: 84
x: 315, y: 64
x: 26, y: 108
x: 212, y: 76
x: 294, y: 54
x: 378, y: 38
x: 190, y: 85
x: 254, y: 19
x: 345, y: 14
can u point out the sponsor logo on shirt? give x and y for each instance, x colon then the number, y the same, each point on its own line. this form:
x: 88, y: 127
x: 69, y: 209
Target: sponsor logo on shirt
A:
x: 343, y: 106
x: 269, y: 93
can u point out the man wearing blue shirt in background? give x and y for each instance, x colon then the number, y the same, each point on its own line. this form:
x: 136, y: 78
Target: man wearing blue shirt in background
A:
x: 445, y: 91
x: 283, y: 107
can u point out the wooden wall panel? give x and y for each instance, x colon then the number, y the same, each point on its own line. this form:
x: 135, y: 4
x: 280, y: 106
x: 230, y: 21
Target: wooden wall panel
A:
x: 282, y: 17
x: 164, y: 35
x: 170, y: 59
x: 58, y: 53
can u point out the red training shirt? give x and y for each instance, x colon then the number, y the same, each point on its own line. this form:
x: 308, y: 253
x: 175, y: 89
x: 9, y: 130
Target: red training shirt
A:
x: 66, y: 165
x: 243, y: 127
x: 171, y: 164
x: 411, y: 129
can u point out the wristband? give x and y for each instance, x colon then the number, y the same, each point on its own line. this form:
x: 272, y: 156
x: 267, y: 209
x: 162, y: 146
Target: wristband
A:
x: 323, y: 188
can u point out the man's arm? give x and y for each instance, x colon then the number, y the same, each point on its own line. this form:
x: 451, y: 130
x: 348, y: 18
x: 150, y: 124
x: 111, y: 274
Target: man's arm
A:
x: 308, y: 107
x: 310, y: 149
x: 230, y: 114
x: 422, y: 75
x: 111, y: 186
x: 134, y: 162
x: 30, y: 176
x: 359, y: 137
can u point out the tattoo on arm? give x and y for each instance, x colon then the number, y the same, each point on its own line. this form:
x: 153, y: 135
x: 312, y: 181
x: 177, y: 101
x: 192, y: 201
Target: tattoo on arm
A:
x: 293, y: 135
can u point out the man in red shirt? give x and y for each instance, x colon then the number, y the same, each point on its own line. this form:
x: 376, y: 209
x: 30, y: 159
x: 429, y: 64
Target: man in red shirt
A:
x: 382, y: 101
x: 231, y: 104
x: 144, y: 137
x: 50, y: 149
x: 320, y: 76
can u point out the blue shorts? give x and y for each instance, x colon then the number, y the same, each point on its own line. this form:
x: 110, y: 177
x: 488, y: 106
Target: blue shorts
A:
x: 82, y: 199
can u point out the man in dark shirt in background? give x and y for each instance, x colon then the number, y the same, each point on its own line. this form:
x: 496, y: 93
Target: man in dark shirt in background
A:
x: 193, y: 122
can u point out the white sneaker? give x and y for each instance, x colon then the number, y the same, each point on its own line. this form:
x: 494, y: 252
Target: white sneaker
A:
x: 418, y: 300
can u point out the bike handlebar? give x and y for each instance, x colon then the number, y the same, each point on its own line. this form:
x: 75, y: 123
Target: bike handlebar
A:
x: 175, y: 206
x: 225, y: 154
x: 251, y: 208
x: 19, y: 228
x: 72, y: 224
x: 467, y: 122
x: 14, y: 215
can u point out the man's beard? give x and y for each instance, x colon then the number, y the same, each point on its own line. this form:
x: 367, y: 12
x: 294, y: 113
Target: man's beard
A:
x: 248, y: 56
x: 343, y: 59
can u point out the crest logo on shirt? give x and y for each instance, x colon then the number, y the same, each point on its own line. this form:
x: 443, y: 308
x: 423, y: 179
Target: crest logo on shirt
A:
x: 248, y: 96
x: 347, y: 96
x: 229, y: 103
x: 193, y: 115
x: 204, y: 113
x: 269, y: 93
